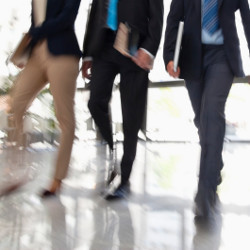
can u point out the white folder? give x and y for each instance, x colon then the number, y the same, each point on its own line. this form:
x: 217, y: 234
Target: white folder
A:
x: 178, y: 45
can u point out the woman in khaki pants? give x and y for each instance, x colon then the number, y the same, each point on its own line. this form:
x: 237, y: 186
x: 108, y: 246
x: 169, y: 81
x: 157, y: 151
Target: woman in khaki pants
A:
x: 54, y: 59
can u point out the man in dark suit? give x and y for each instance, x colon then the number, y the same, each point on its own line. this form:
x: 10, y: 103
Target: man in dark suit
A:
x: 146, y: 17
x: 209, y: 60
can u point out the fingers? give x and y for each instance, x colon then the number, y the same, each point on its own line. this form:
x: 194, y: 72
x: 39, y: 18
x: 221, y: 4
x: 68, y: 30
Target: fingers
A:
x: 137, y: 62
x: 86, y: 75
x: 20, y: 65
x: 86, y: 69
x: 143, y: 60
x: 170, y: 70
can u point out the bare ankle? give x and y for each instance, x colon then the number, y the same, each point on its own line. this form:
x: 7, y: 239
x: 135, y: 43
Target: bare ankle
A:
x: 56, y: 184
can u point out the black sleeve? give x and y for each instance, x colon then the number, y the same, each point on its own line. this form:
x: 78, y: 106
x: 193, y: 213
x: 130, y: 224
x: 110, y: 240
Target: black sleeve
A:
x: 63, y: 21
x: 175, y: 15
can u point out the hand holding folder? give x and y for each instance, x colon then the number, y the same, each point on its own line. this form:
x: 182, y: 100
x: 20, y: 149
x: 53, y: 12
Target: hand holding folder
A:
x: 172, y: 66
x: 127, y: 40
x: 21, y: 54
x: 127, y: 43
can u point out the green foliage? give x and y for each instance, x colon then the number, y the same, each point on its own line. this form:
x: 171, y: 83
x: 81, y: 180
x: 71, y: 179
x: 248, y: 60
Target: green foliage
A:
x: 166, y: 102
x: 7, y: 84
x: 165, y: 170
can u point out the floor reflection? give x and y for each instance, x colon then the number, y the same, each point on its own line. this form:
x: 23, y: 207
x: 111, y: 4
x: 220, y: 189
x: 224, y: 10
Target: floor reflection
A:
x: 56, y: 218
x: 158, y: 215
x: 208, y: 235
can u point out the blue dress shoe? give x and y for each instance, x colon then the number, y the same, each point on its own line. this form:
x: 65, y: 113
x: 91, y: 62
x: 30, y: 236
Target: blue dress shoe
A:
x: 121, y: 192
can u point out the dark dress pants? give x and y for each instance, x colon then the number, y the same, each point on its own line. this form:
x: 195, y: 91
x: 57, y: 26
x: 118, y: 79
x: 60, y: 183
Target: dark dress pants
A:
x: 208, y: 98
x: 133, y: 91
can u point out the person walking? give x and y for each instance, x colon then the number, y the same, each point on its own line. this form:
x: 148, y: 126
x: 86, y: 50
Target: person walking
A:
x: 54, y: 59
x: 210, y: 58
x: 102, y: 62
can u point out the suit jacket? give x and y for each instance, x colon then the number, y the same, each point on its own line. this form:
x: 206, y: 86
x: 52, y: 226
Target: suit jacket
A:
x: 58, y: 27
x: 189, y: 11
x: 144, y: 15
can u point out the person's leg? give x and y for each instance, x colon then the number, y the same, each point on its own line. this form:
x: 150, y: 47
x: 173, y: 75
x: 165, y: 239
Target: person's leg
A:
x: 62, y: 74
x: 217, y: 80
x: 28, y: 84
x: 133, y: 89
x: 195, y: 92
x: 101, y: 86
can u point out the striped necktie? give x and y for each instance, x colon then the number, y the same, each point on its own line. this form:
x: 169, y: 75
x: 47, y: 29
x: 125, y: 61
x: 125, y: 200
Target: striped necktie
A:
x: 210, y: 21
x: 112, y: 15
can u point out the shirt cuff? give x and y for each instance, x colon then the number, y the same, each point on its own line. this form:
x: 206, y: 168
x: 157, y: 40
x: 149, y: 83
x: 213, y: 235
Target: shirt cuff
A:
x: 87, y: 58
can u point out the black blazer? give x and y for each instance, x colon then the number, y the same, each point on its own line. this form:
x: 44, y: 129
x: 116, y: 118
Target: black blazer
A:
x: 189, y: 11
x: 58, y: 27
x: 144, y: 15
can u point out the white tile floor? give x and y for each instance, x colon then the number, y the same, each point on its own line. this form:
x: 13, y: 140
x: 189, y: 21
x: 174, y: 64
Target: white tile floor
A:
x: 157, y: 216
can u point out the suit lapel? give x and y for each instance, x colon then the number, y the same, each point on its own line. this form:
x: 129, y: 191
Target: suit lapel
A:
x: 197, y: 7
x: 197, y: 4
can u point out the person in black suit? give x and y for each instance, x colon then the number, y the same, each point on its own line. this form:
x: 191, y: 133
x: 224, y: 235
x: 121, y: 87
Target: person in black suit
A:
x: 54, y: 59
x: 146, y: 17
x: 209, y: 60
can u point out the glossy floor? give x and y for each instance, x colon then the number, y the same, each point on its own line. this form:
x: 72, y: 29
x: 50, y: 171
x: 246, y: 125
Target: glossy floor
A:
x: 156, y: 216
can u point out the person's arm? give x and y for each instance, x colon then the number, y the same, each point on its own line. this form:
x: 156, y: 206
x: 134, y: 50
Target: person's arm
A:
x: 145, y: 55
x: 63, y: 21
x: 90, y: 26
x: 245, y: 16
x: 155, y: 23
x: 170, y: 69
x: 175, y: 15
x: 86, y: 67
x: 87, y: 58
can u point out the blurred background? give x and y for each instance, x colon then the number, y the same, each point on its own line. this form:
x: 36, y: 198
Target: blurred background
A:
x: 158, y: 215
x: 169, y: 116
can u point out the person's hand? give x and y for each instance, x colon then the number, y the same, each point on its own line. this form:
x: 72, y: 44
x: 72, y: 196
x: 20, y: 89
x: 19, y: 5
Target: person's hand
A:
x: 86, y: 69
x: 170, y: 70
x: 20, y: 65
x: 143, y: 60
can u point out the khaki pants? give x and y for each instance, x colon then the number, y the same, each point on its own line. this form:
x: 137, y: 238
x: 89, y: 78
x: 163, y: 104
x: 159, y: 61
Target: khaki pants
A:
x: 61, y: 72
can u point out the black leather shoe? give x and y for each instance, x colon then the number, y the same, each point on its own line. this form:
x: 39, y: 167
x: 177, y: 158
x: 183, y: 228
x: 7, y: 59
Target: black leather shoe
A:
x: 121, y: 192
x: 46, y: 194
x: 206, y: 204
